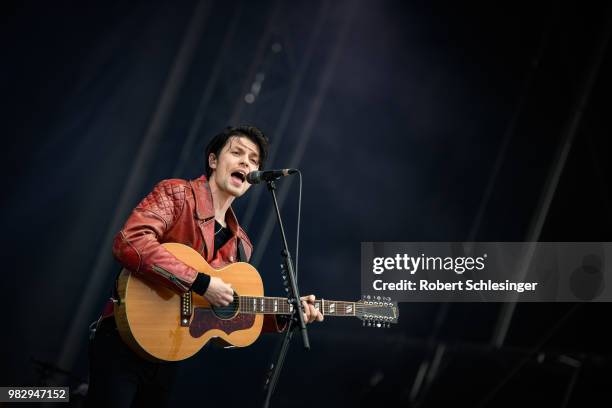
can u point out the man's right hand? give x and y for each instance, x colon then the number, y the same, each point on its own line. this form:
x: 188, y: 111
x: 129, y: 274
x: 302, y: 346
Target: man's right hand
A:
x: 219, y: 293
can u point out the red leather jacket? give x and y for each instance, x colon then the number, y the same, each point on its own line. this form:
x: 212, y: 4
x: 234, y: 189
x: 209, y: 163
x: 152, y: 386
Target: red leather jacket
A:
x: 177, y: 211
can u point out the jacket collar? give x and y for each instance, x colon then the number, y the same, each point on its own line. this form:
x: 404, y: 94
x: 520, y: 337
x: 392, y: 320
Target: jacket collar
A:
x: 205, y: 209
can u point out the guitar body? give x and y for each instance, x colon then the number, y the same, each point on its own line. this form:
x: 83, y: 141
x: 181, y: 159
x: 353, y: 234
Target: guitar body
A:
x: 148, y: 315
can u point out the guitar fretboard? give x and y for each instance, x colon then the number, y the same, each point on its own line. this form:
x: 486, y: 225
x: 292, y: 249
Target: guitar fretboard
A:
x: 277, y: 305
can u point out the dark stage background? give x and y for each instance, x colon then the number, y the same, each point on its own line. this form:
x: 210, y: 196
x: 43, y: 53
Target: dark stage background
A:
x: 411, y: 121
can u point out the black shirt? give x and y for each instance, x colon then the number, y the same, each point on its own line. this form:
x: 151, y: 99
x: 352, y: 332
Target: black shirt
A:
x: 222, y: 235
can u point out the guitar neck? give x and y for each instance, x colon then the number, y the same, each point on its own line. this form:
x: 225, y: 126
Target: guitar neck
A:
x: 278, y: 305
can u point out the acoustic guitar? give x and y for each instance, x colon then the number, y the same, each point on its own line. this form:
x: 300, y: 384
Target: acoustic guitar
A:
x: 160, y: 324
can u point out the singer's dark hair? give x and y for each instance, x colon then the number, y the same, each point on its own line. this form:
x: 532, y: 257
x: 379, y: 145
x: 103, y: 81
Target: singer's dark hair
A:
x: 251, y: 132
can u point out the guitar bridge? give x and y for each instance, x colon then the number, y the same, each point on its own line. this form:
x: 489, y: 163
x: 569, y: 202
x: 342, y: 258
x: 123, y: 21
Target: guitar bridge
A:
x: 186, y: 308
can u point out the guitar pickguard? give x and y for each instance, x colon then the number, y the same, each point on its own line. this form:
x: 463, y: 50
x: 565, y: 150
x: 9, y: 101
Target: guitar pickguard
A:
x: 204, y: 320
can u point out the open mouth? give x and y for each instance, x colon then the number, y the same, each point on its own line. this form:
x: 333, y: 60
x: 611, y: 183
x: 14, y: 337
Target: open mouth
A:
x: 239, y: 176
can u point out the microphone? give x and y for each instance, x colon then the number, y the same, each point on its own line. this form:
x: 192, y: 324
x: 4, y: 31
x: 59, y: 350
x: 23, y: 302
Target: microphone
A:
x: 255, y: 177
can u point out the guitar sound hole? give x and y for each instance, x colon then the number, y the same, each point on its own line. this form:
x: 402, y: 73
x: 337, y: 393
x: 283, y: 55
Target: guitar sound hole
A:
x: 229, y: 311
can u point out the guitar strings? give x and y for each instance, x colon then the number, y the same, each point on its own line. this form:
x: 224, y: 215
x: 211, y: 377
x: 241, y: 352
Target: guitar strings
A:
x: 243, y: 304
x: 247, y: 302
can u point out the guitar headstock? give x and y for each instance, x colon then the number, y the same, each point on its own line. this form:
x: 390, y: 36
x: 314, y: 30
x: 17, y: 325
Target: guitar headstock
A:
x: 377, y: 311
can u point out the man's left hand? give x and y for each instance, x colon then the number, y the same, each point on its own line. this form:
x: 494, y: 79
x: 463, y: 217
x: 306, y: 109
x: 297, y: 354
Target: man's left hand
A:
x: 310, y: 313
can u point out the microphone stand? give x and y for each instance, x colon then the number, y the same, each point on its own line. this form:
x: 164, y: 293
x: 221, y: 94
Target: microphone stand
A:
x: 293, y: 297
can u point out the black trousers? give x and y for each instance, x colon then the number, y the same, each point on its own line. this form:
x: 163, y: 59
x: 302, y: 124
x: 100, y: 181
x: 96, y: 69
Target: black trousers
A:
x: 118, y: 377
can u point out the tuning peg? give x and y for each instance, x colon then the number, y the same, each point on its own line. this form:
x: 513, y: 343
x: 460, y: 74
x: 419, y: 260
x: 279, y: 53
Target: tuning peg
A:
x: 378, y: 324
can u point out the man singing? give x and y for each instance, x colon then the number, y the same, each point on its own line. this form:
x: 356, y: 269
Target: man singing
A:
x: 196, y: 213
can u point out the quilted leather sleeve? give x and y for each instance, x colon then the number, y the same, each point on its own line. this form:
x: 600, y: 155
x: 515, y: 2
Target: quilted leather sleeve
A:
x: 137, y: 246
